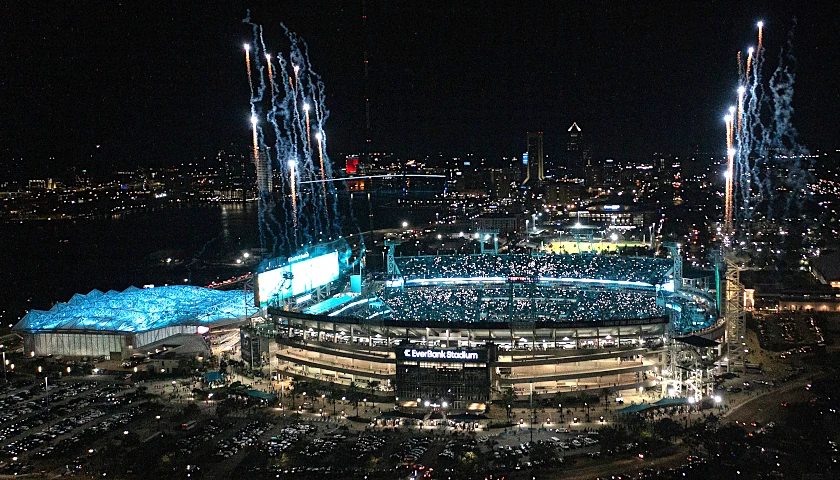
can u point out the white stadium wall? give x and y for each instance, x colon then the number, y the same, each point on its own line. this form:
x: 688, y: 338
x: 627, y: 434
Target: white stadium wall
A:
x: 82, y: 344
x: 145, y: 338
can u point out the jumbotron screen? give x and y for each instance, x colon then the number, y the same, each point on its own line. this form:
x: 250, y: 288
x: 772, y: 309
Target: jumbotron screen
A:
x: 299, y: 276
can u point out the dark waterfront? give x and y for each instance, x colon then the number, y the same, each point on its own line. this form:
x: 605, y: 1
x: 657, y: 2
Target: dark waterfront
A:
x: 43, y: 262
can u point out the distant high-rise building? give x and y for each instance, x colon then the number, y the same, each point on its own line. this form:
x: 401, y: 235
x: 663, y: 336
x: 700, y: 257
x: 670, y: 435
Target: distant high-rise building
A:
x: 535, y: 168
x: 575, y: 165
x: 573, y: 142
x: 593, y: 174
x: 263, y: 172
x: 611, y: 171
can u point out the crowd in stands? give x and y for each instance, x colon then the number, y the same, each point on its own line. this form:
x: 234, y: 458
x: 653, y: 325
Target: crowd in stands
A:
x: 604, y: 267
x: 559, y: 304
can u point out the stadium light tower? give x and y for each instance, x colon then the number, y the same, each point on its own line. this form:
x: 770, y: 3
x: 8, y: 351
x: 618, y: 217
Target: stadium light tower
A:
x: 393, y: 269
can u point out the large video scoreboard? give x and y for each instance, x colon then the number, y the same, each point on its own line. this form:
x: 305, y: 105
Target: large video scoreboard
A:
x: 299, y: 275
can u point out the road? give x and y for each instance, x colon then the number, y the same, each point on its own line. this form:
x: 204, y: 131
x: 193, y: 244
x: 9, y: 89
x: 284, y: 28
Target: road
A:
x: 767, y: 406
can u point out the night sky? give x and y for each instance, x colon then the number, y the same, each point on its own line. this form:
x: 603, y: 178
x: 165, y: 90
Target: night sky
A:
x: 157, y: 83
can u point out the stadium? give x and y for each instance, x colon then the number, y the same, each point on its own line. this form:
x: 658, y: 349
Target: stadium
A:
x: 453, y: 330
x: 114, y: 325
x: 460, y: 330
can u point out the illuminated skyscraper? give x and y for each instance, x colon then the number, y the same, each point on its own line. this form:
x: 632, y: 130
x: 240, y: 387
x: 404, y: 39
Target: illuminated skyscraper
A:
x: 575, y: 164
x: 263, y: 172
x: 535, y: 170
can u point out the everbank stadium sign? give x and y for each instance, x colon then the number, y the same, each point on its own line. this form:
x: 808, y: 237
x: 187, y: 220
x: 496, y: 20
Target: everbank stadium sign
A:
x: 440, y: 354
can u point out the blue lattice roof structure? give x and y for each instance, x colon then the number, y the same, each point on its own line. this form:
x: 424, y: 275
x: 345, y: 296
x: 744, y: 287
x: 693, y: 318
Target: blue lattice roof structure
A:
x: 137, y: 310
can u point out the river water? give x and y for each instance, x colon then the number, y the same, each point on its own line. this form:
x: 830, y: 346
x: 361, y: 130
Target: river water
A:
x: 44, y: 262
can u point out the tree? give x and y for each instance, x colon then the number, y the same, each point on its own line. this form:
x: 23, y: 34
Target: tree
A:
x: 606, y: 394
x: 353, y: 396
x: 373, y: 462
x: 200, y: 394
x: 373, y: 385
x: 667, y: 429
x: 610, y: 437
x: 469, y: 461
x: 191, y: 409
x: 508, y: 397
x: 283, y: 461
x: 334, y: 395
x: 298, y: 386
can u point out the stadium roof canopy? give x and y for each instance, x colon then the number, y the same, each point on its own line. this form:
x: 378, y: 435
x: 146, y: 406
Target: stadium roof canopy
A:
x: 140, y: 310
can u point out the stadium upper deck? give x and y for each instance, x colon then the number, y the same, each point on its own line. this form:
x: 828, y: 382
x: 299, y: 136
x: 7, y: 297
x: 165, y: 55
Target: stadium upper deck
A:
x: 467, y: 289
x: 648, y: 270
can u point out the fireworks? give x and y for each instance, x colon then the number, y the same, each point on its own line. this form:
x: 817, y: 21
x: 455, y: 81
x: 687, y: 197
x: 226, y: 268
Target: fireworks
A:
x: 319, y: 137
x: 749, y: 62
x: 270, y: 74
x: 292, y: 180
x: 256, y: 139
x: 730, y: 167
x: 308, y: 142
x: 765, y: 170
x: 301, y: 196
x: 760, y: 34
x: 248, y: 64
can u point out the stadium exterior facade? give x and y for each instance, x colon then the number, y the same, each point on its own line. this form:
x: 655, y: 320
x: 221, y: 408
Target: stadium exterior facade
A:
x: 554, y: 357
x: 352, y: 342
x: 116, y: 324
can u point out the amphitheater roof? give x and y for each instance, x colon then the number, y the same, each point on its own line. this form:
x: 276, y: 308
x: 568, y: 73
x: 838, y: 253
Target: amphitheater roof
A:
x: 139, y: 310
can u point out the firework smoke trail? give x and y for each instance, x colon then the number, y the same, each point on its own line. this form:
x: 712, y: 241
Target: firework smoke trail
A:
x: 292, y: 175
x: 296, y: 111
x: 321, y: 114
x: 302, y: 79
x: 248, y: 66
x: 264, y: 214
x: 753, y: 139
x: 288, y: 154
x: 267, y: 201
x: 727, y: 224
x: 283, y: 151
x: 769, y: 159
x: 319, y: 137
x: 308, y: 141
x: 760, y: 26
x: 270, y: 77
x: 198, y: 255
x: 749, y: 64
x: 299, y: 154
x: 784, y: 133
